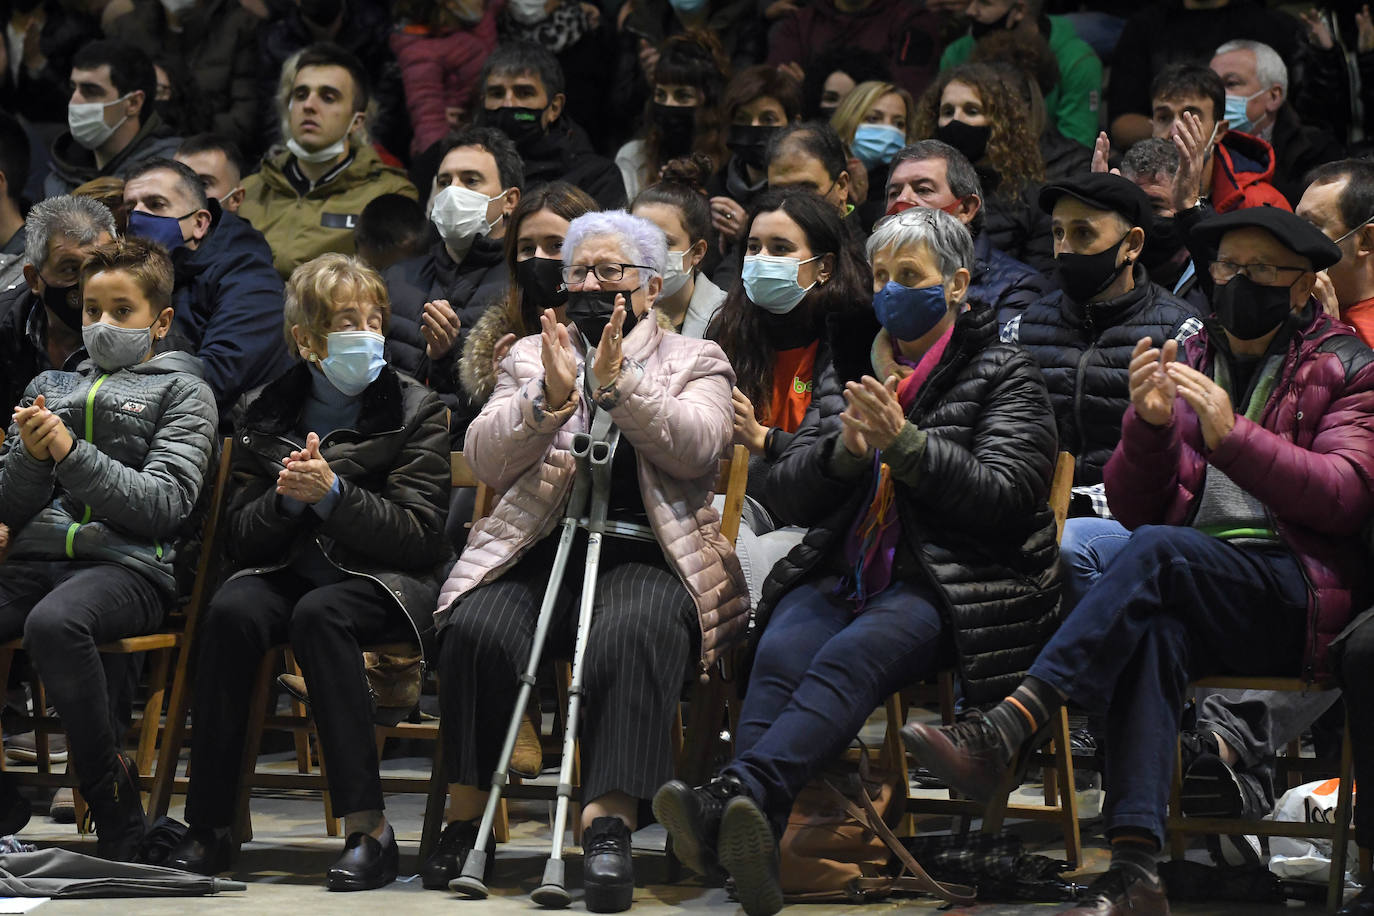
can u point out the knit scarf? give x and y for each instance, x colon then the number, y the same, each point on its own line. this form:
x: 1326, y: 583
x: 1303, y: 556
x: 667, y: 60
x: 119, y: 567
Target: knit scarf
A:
x: 872, y: 543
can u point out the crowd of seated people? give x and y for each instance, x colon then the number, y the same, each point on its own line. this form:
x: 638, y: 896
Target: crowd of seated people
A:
x: 904, y: 254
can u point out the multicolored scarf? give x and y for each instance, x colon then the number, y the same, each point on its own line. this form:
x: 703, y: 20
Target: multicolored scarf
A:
x: 872, y: 543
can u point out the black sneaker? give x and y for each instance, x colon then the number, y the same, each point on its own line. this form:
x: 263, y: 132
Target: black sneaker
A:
x: 748, y: 850
x: 1212, y: 788
x: 1194, y: 744
x: 446, y: 861
x: 117, y: 809
x: 608, y: 871
x: 692, y: 819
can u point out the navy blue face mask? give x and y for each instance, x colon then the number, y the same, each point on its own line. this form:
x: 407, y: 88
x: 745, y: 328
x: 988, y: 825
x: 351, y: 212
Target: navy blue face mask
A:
x: 910, y: 313
x: 165, y: 230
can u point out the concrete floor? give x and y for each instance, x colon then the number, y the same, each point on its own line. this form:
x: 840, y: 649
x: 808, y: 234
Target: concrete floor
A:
x: 284, y: 866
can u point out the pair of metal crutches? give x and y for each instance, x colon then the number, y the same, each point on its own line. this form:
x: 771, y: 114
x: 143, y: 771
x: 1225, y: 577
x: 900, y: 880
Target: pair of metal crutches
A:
x: 594, y: 453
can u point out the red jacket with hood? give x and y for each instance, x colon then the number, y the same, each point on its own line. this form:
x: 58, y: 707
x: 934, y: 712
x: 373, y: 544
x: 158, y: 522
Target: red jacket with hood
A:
x: 1309, y: 459
x: 1242, y: 172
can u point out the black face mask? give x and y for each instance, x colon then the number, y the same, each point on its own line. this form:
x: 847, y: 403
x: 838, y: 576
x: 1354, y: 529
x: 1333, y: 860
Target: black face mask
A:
x: 541, y: 282
x: 63, y: 302
x: 1082, y: 276
x: 522, y: 125
x: 591, y: 311
x: 321, y: 12
x: 1162, y: 243
x: 979, y: 29
x: 1248, y: 310
x: 676, y: 124
x: 750, y: 143
x: 970, y: 140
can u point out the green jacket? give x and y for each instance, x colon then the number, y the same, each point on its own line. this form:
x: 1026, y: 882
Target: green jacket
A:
x: 300, y: 227
x: 1072, y: 105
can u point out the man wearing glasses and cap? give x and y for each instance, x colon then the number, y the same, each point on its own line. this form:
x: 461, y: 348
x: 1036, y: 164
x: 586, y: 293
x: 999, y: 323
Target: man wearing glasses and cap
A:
x: 1243, y: 473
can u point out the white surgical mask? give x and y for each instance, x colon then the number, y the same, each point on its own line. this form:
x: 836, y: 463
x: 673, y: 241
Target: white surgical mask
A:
x: 328, y: 154
x: 675, y: 276
x: 460, y: 215
x: 177, y: 7
x: 527, y: 12
x: 86, y: 121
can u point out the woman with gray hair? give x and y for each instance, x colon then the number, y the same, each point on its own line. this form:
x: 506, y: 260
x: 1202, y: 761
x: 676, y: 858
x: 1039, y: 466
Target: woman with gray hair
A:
x: 922, y: 471
x: 662, y: 604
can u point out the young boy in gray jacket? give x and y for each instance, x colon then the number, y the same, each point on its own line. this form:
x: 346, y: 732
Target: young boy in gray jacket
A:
x: 99, y: 474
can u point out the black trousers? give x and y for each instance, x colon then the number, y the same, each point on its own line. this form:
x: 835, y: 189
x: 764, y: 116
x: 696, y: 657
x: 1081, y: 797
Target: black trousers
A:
x: 326, y: 626
x: 64, y: 610
x: 643, y: 640
x: 1357, y: 684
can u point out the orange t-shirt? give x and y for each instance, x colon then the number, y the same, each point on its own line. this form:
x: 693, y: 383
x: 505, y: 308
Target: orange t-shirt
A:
x: 792, y: 381
x: 1360, y: 316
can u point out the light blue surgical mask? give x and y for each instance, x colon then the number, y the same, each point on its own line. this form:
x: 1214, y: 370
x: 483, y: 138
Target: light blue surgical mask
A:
x: 355, y: 360
x: 1236, y: 118
x: 876, y: 144
x: 771, y: 282
x: 688, y: 7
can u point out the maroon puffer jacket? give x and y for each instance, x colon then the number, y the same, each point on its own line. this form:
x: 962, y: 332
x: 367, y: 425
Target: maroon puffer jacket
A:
x: 1310, y: 459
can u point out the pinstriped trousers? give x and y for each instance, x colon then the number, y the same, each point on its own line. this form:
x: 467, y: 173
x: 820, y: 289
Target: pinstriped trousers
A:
x: 644, y: 640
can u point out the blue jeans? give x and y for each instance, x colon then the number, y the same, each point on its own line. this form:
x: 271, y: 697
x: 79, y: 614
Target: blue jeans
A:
x: 1175, y: 605
x: 1087, y: 548
x: 819, y: 672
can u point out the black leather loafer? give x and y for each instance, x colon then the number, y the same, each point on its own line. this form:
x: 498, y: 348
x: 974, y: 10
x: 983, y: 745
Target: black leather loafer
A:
x: 608, y: 872
x: 203, y: 850
x: 446, y: 861
x: 366, y: 863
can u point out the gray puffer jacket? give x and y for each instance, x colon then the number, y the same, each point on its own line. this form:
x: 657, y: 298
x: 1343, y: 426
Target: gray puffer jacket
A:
x: 127, y: 490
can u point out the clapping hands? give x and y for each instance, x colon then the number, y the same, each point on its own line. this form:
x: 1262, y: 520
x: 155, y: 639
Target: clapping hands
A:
x: 306, y: 476
x: 43, y: 433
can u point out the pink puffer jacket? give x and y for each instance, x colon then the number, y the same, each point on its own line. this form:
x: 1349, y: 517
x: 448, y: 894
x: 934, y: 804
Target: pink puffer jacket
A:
x: 672, y: 403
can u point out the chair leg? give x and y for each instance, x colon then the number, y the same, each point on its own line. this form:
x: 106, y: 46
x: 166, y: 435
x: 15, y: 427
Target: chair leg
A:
x: 152, y: 717
x: 434, y: 801
x: 79, y: 805
x: 1336, y: 889
x: 40, y: 715
x: 331, y: 823
x: 6, y: 662
x: 1178, y: 846
x: 301, y: 736
x: 1068, y: 800
x: 257, y: 711
x: 164, y: 779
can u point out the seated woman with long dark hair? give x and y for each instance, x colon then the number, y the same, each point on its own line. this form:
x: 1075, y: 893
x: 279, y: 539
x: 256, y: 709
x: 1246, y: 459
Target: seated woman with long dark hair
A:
x: 923, y: 472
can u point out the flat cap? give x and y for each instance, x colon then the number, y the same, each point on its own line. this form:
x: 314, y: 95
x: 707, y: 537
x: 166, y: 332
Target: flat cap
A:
x: 1102, y: 191
x: 1292, y: 232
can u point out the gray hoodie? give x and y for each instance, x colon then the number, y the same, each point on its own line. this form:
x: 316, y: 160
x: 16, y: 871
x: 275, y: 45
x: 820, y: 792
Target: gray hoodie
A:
x: 125, y: 493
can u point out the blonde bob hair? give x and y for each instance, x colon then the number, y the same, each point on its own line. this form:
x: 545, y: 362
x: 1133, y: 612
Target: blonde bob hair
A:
x: 855, y: 106
x: 316, y: 286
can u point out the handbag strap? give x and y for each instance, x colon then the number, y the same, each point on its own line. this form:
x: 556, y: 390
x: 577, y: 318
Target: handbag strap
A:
x: 960, y: 894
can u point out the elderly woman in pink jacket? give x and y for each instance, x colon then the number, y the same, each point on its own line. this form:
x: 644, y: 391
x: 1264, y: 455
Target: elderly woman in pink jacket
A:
x: 664, y: 610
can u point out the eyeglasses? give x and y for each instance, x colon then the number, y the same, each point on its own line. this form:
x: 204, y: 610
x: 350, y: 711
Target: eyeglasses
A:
x: 1263, y: 274
x: 576, y: 275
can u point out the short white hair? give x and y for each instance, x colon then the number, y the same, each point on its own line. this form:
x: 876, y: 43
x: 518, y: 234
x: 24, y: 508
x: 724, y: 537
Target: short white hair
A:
x: 1269, y: 67
x: 643, y: 242
x: 947, y: 238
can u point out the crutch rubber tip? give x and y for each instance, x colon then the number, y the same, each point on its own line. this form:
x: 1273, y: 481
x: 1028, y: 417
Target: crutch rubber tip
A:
x: 552, y: 894
x: 470, y: 883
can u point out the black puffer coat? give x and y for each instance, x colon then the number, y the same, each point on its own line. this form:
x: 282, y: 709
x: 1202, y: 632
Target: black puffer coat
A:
x: 1016, y: 224
x: 393, y: 470
x: 470, y: 287
x: 972, y: 497
x: 1084, y: 352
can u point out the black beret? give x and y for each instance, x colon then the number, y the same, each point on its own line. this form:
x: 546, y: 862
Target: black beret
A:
x: 1102, y: 191
x: 1292, y: 232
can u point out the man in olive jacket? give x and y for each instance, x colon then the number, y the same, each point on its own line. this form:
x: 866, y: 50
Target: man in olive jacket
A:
x: 306, y: 199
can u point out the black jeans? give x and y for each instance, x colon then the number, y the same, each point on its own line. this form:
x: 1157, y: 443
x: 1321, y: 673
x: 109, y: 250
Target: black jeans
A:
x: 643, y: 639
x: 64, y: 610
x: 326, y: 626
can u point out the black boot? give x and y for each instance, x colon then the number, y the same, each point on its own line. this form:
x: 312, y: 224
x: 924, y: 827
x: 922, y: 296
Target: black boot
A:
x: 117, y: 810
x: 692, y: 819
x: 203, y: 850
x: 446, y: 861
x: 608, y: 871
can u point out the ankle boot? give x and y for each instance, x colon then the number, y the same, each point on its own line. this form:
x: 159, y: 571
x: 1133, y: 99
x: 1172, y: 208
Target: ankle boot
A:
x: 117, y: 810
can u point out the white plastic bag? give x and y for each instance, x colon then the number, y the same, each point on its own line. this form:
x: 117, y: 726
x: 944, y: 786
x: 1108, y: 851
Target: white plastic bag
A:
x: 1300, y: 858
